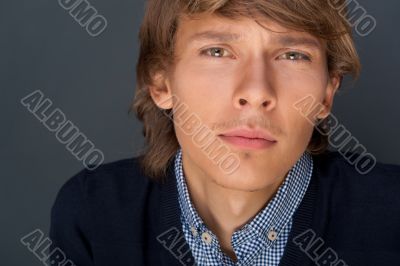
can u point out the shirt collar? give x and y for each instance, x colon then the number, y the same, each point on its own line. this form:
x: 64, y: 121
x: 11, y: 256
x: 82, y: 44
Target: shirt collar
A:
x: 275, y: 215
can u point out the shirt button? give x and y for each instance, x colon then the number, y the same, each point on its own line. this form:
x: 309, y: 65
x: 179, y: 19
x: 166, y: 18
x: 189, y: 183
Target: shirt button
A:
x: 194, y: 231
x: 206, y: 237
x: 272, y: 235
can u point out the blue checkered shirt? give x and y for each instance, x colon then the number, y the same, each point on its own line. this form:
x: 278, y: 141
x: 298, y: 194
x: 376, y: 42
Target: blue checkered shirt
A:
x: 259, y: 242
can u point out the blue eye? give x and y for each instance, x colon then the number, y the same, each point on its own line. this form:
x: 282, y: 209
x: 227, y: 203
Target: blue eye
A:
x: 295, y: 56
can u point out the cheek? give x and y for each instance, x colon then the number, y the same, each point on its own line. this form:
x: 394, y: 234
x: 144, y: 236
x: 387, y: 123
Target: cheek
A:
x: 298, y: 86
x: 192, y: 106
x: 205, y: 89
x: 294, y: 88
x: 295, y: 125
x: 301, y: 129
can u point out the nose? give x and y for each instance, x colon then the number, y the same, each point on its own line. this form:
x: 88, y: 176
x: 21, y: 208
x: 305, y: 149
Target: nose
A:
x: 255, y: 89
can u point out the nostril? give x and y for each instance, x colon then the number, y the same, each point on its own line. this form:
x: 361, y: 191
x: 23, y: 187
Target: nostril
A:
x: 242, y: 101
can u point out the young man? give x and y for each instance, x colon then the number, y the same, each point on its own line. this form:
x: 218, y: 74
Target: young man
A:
x: 235, y: 170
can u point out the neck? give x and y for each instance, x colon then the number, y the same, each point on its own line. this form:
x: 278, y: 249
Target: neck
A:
x: 224, y: 210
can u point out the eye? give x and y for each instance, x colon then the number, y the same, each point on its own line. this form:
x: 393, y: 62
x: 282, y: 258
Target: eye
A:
x: 295, y: 56
x: 216, y: 52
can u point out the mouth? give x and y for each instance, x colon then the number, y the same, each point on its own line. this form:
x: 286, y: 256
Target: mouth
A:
x: 249, y: 139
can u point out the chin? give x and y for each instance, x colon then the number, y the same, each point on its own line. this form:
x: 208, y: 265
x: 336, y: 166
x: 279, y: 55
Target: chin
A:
x: 245, y: 179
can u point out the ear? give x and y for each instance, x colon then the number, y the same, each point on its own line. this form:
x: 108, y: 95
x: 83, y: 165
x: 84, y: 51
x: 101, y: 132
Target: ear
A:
x: 332, y: 86
x: 160, y: 91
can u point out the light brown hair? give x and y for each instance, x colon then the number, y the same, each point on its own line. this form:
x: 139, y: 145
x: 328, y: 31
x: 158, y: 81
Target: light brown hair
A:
x: 320, y: 18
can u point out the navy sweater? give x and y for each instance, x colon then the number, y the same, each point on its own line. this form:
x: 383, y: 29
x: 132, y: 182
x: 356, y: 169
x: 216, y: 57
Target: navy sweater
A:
x: 115, y: 215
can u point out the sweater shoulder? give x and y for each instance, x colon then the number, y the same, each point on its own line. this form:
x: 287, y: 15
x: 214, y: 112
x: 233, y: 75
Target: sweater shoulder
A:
x: 332, y: 164
x: 106, y: 202
x: 109, y: 186
x: 348, y: 179
x: 103, y: 205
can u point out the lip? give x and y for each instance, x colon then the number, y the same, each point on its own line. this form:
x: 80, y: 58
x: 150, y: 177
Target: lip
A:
x: 249, y: 139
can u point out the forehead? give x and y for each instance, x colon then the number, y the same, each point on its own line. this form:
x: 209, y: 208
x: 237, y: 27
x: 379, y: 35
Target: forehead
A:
x: 221, y: 29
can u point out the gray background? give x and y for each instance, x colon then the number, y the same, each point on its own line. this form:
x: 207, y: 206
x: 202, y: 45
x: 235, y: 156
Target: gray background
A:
x: 92, y: 81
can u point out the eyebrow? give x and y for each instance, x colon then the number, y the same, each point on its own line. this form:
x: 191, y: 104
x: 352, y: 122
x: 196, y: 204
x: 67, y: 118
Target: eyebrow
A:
x: 215, y: 36
x: 288, y: 40
x: 285, y: 40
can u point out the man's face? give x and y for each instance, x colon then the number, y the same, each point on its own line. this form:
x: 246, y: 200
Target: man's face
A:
x: 247, y: 74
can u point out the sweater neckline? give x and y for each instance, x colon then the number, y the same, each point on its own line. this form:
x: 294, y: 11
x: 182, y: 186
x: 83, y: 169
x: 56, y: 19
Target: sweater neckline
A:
x: 302, y: 218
